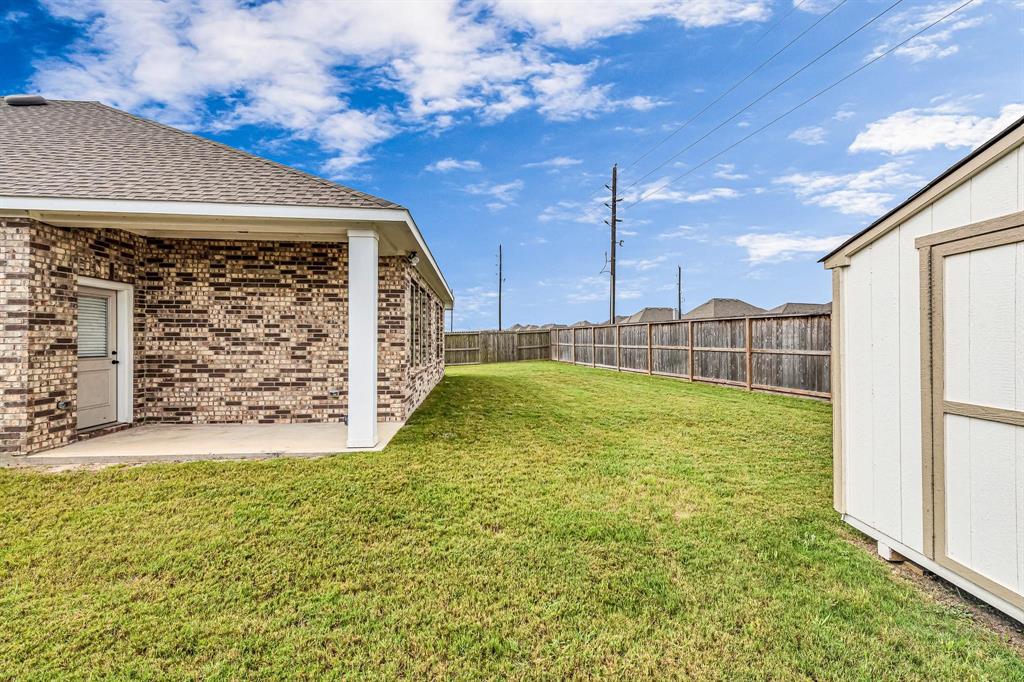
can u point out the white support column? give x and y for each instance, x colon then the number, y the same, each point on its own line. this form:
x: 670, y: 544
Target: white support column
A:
x: 362, y: 338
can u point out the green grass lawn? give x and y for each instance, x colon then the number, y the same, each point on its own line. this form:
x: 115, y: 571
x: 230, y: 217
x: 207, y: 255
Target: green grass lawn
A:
x: 533, y: 520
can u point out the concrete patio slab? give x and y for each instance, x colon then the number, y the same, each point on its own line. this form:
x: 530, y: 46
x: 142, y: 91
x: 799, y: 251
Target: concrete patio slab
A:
x: 193, y: 442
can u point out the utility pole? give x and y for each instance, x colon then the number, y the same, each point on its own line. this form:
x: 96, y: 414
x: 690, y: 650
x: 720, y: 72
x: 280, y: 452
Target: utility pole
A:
x: 500, y: 281
x: 615, y: 242
x: 451, y: 318
x: 679, y: 292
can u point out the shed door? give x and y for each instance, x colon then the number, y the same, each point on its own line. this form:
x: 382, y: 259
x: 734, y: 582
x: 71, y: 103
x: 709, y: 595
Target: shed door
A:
x: 977, y: 415
x: 97, y: 357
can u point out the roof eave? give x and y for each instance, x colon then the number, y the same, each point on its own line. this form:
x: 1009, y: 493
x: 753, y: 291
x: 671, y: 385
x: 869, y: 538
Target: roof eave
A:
x: 71, y: 209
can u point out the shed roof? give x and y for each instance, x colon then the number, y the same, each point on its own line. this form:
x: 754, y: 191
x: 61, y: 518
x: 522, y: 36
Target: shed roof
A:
x: 87, y: 150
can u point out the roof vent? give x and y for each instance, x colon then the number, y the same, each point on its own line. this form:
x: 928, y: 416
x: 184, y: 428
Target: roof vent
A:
x: 24, y: 100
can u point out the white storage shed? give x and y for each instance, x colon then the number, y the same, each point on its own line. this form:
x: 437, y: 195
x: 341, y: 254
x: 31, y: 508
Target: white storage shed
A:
x: 928, y: 375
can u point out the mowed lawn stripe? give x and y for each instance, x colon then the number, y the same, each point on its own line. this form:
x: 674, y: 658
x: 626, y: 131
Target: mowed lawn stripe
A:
x: 533, y: 520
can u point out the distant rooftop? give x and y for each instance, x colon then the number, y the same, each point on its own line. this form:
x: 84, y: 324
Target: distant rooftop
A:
x: 801, y: 308
x: 723, y: 307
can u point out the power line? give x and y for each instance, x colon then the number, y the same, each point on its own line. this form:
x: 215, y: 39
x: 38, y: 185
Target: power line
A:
x: 778, y: 23
x: 810, y: 99
x: 737, y: 83
x: 767, y: 93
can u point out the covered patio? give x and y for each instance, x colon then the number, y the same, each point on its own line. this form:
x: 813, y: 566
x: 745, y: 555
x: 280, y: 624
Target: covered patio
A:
x: 197, y: 442
x: 172, y: 294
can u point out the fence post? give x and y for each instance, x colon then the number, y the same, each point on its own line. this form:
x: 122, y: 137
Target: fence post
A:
x: 689, y: 351
x: 650, y: 351
x: 750, y: 355
x: 618, y: 348
x: 593, y: 347
x: 574, y: 345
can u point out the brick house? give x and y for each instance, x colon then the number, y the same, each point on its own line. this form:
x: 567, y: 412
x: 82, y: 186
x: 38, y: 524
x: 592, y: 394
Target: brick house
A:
x: 150, y: 276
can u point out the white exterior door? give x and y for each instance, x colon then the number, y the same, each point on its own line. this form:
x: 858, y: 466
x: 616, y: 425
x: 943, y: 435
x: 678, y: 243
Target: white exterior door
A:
x: 977, y: 415
x: 97, y: 357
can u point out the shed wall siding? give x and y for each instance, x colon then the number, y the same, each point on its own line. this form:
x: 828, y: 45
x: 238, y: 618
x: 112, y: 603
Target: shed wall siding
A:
x: 984, y: 463
x: 881, y: 388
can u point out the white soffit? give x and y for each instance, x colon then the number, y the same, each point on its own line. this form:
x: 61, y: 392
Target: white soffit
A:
x: 199, y: 220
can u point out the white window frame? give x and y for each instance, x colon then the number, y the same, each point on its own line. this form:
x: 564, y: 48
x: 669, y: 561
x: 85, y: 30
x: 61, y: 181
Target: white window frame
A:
x: 125, y: 306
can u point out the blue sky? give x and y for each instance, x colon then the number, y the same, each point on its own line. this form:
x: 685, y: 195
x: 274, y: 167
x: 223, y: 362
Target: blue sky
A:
x: 498, y: 122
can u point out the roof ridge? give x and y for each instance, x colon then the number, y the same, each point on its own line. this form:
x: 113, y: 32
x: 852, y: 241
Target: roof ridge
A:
x: 383, y: 203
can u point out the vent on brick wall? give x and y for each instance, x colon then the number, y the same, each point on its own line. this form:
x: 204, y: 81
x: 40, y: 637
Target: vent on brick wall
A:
x: 24, y: 100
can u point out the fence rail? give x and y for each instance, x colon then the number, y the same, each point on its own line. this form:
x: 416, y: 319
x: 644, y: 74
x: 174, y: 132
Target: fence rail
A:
x: 474, y: 348
x: 778, y: 353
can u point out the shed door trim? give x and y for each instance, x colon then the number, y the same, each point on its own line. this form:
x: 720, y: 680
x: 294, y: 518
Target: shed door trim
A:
x: 934, y: 250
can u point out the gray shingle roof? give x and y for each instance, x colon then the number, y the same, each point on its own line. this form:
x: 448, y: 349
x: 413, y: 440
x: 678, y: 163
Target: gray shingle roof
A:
x: 86, y: 150
x: 801, y: 308
x: 723, y: 307
x: 651, y: 315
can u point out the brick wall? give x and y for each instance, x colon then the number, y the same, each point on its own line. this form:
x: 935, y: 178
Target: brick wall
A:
x: 58, y: 255
x: 225, y: 331
x: 14, y: 309
x: 420, y: 380
x: 244, y: 331
x: 401, y: 386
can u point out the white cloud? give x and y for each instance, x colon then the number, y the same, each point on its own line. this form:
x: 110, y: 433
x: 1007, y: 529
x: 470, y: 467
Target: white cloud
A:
x: 814, y: 6
x: 727, y: 171
x: 936, y: 43
x: 291, y: 66
x: 562, y: 93
x: 449, y: 164
x: 643, y: 264
x: 476, y: 303
x: 844, y: 112
x: 809, y: 135
x: 651, y: 192
x: 554, y: 163
x: 686, y: 232
x: 577, y: 23
x: 592, y: 212
x: 595, y: 288
x: 782, y: 246
x: 947, y: 126
x: 863, y: 193
x: 502, y: 195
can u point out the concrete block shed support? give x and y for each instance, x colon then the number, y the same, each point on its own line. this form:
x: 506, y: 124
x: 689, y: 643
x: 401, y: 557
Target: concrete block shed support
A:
x: 362, y: 339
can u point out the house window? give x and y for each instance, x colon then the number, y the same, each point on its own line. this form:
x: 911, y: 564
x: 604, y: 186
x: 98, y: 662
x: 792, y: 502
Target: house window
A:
x: 426, y: 327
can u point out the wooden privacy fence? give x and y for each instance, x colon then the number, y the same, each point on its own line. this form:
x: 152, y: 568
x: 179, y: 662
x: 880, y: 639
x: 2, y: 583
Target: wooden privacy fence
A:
x: 779, y: 353
x: 474, y: 348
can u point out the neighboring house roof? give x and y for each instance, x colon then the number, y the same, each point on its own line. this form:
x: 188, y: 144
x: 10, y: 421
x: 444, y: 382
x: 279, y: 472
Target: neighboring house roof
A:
x: 801, y: 308
x: 723, y: 307
x: 86, y: 150
x: 885, y: 220
x: 583, y: 323
x: 650, y: 315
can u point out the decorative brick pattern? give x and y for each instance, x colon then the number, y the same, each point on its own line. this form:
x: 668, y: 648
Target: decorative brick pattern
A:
x: 225, y: 331
x: 244, y: 331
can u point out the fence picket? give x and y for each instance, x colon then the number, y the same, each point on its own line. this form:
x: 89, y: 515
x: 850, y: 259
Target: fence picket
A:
x: 778, y: 353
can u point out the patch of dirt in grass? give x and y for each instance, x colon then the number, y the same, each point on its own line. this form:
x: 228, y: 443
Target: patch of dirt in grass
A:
x: 946, y: 593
